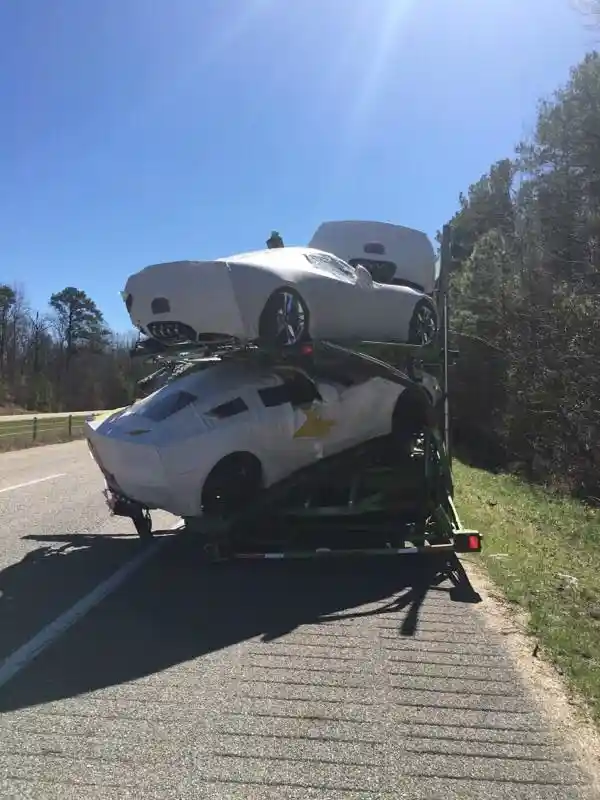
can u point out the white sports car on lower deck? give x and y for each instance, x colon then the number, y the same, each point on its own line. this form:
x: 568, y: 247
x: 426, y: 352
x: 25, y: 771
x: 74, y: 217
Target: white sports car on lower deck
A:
x: 276, y: 297
x: 209, y: 440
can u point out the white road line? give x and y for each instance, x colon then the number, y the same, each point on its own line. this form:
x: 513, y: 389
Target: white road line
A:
x: 31, y: 483
x: 25, y: 654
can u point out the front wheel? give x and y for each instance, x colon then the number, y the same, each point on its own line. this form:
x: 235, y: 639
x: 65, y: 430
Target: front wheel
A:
x: 284, y: 320
x: 423, y: 325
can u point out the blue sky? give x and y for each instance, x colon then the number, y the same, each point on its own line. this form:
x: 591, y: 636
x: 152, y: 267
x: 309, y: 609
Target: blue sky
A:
x: 137, y: 131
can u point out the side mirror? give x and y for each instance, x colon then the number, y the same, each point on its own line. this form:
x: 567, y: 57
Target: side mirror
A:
x: 363, y: 277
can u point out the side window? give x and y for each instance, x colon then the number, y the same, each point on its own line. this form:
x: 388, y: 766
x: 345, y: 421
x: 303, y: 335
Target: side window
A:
x: 302, y: 390
x: 229, y: 409
x: 164, y: 407
x: 296, y: 390
x: 274, y: 396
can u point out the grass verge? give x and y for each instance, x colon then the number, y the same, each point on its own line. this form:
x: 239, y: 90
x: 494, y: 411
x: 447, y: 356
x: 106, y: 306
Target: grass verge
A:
x: 543, y: 551
x: 19, y: 435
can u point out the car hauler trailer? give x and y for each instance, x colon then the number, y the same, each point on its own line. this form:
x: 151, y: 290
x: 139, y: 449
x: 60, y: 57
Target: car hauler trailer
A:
x: 391, y: 496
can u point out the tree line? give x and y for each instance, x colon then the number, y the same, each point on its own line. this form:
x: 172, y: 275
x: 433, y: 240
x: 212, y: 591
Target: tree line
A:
x: 525, y: 297
x: 66, y: 359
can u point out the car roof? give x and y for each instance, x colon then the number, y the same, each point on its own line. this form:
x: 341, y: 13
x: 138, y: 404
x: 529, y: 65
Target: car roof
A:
x: 269, y: 257
x: 219, y: 379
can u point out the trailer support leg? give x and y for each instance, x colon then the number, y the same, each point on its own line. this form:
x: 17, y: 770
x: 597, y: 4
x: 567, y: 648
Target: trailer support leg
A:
x: 462, y: 590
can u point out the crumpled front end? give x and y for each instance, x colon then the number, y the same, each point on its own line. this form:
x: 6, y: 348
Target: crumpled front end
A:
x: 132, y: 469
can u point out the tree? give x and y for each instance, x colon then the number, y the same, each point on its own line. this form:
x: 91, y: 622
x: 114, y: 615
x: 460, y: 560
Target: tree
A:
x: 35, y: 348
x: 7, y: 301
x: 78, y: 320
x: 80, y: 327
x: 487, y: 206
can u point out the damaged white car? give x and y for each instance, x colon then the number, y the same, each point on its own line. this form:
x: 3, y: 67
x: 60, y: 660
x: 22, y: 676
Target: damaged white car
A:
x: 208, y: 441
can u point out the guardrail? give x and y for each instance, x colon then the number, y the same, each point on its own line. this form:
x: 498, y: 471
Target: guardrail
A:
x: 42, y: 428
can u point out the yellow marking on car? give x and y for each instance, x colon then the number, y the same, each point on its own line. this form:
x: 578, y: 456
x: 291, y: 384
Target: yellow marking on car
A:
x: 315, y: 426
x: 102, y: 415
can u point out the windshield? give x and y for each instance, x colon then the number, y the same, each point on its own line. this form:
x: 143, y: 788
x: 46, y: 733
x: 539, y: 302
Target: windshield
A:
x: 331, y: 264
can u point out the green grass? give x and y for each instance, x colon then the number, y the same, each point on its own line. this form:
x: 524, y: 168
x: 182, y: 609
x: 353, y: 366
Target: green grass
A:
x: 543, y: 551
x: 17, y: 434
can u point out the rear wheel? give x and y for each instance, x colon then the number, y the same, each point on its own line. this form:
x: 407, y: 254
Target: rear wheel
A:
x: 232, y: 485
x: 284, y: 320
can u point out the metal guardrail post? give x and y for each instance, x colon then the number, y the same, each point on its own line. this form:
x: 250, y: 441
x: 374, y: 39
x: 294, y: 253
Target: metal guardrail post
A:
x: 34, y: 432
x: 70, y: 426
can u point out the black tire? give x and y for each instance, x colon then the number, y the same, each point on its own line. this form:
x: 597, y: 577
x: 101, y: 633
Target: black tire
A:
x: 423, y: 326
x: 409, y: 421
x: 232, y: 485
x: 284, y: 319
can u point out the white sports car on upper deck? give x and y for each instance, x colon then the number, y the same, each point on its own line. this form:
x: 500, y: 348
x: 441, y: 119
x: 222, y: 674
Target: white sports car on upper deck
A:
x: 208, y: 441
x: 276, y: 297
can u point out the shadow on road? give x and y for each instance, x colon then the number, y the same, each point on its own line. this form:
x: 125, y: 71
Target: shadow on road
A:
x: 52, y: 577
x: 175, y: 609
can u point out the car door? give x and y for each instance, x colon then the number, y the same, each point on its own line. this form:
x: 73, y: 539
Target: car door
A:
x: 297, y: 422
x: 361, y: 410
x: 337, y: 298
x: 353, y: 306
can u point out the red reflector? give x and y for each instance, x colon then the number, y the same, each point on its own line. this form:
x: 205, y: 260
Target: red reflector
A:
x: 307, y: 350
x: 473, y: 542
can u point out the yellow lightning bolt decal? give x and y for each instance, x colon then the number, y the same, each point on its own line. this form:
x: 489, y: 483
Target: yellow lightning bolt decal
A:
x: 315, y: 427
x: 100, y: 416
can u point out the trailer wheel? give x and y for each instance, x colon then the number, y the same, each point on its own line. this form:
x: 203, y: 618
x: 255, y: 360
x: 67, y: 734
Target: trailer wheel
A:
x: 232, y: 484
x: 143, y: 525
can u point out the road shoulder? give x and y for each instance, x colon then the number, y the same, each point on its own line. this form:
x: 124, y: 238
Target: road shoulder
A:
x: 563, y: 709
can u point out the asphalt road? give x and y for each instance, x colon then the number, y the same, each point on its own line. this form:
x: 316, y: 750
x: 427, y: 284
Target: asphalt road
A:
x: 135, y: 673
